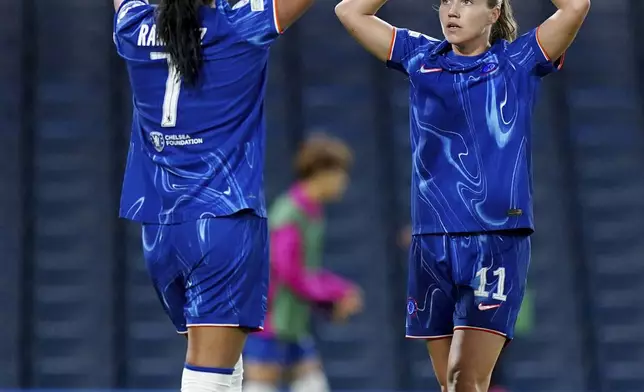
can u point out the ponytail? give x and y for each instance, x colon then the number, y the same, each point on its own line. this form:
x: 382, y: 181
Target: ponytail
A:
x: 506, y: 26
x: 179, y: 28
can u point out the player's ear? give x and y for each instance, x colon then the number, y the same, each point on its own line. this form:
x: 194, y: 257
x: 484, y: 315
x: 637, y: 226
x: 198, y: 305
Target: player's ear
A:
x: 495, y: 13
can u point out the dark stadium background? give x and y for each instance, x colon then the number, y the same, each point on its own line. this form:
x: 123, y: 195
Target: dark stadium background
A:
x: 76, y: 307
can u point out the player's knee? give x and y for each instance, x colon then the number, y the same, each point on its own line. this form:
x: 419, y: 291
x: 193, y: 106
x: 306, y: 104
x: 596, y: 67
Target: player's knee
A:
x: 466, y: 380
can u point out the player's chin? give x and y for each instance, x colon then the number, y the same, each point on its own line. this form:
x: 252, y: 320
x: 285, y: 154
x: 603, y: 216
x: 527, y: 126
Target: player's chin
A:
x: 458, y: 36
x: 454, y: 39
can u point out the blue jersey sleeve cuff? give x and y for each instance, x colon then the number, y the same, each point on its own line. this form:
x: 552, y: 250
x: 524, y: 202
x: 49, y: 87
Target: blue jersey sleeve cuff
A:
x: 546, y: 64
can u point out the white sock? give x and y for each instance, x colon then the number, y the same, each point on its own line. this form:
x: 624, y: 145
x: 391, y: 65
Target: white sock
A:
x: 238, y: 376
x: 314, y: 381
x: 258, y: 386
x: 202, y: 379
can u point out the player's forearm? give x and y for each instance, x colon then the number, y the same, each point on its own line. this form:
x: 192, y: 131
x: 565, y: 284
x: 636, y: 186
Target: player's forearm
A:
x: 574, y: 6
x: 374, y: 34
x: 359, y: 7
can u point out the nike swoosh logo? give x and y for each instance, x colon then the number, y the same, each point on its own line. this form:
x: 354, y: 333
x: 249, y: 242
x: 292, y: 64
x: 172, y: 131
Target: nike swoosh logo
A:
x: 488, y: 307
x: 429, y: 70
x: 227, y: 192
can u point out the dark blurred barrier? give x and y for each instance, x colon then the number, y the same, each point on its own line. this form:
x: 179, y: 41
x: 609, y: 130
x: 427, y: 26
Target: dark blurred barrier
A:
x: 78, y: 310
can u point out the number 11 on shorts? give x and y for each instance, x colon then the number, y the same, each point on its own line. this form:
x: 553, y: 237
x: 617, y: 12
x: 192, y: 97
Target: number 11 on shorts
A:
x: 500, y: 286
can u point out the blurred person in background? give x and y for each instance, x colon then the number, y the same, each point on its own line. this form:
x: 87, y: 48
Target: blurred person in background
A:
x: 471, y: 103
x: 194, y: 173
x: 299, y: 285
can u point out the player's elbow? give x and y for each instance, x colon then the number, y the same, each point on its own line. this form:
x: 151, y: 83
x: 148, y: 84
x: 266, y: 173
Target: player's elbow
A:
x: 342, y: 10
x: 579, y: 7
x: 346, y: 11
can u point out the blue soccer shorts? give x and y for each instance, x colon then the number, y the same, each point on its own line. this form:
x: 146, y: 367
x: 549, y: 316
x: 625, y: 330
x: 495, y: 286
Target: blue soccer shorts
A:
x: 466, y: 282
x: 210, y: 272
x: 266, y: 349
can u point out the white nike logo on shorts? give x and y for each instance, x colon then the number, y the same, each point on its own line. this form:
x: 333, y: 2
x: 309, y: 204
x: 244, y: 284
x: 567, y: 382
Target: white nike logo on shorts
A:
x: 488, y: 307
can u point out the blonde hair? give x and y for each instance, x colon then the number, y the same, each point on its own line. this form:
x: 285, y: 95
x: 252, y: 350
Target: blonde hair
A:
x: 506, y: 26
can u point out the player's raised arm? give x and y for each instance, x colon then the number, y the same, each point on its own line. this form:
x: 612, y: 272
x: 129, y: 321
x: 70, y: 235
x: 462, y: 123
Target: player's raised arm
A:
x: 557, y: 33
x: 374, y: 34
x: 288, y: 12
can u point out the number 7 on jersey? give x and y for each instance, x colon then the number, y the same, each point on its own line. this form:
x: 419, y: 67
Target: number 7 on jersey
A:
x: 172, y: 90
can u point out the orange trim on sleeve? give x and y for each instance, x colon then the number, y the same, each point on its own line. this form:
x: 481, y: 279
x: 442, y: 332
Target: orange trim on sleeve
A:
x: 276, y: 17
x: 391, y: 44
x: 546, y: 55
x: 561, y: 61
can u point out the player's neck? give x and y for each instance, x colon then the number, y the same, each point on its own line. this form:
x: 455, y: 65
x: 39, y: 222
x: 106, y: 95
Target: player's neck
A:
x: 473, y: 48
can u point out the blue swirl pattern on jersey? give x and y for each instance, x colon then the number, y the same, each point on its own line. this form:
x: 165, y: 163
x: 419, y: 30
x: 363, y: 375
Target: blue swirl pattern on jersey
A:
x: 470, y: 132
x: 197, y: 152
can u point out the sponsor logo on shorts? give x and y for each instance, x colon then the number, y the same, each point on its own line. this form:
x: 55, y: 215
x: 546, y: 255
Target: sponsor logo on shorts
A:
x: 488, y: 307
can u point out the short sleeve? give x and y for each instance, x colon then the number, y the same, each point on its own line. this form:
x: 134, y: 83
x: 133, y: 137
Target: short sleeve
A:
x: 528, y: 52
x: 127, y: 20
x: 405, y: 46
x: 255, y: 20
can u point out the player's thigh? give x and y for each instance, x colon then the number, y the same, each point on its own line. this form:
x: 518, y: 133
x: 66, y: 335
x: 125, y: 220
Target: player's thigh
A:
x: 215, y: 346
x: 430, y: 289
x: 165, y: 271
x: 438, y: 350
x: 265, y: 358
x: 472, y: 358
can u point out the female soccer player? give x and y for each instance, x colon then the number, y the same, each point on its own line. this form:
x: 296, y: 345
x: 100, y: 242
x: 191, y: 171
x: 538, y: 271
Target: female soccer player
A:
x: 194, y: 175
x: 471, y: 100
x: 298, y: 283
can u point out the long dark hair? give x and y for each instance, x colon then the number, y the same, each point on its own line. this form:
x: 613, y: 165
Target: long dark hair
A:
x: 506, y: 26
x: 179, y: 28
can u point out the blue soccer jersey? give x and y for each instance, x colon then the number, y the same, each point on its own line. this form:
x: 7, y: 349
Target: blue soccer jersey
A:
x: 197, y: 151
x: 471, y: 132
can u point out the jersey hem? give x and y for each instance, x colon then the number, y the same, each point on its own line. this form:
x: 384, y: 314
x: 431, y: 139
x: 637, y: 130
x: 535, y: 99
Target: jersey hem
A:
x: 529, y: 229
x: 190, y: 216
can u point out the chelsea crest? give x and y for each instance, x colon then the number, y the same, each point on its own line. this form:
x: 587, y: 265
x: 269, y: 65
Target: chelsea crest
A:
x: 157, y: 140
